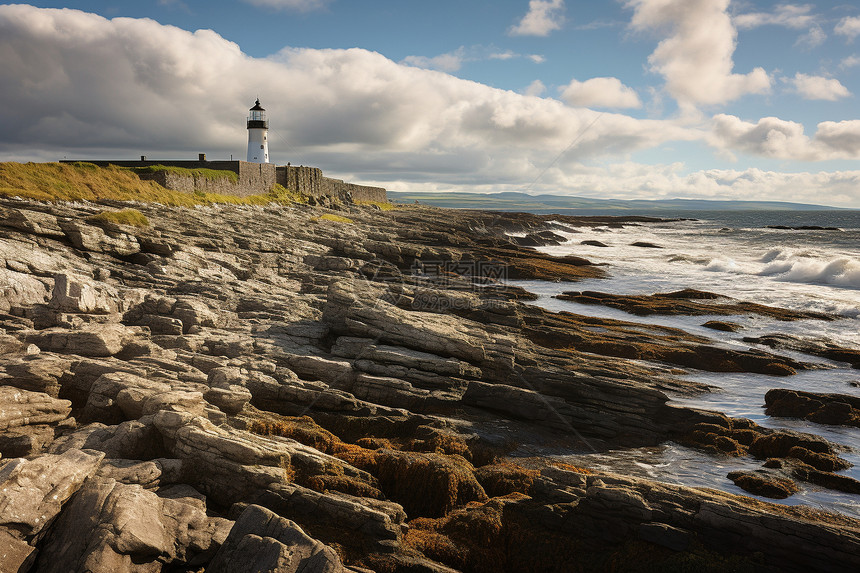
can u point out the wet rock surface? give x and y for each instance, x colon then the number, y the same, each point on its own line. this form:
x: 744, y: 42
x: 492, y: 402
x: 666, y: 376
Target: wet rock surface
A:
x: 688, y: 302
x: 259, y: 389
x: 833, y: 409
x: 807, y: 346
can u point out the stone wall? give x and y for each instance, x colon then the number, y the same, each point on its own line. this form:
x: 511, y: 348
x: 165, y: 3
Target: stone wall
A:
x: 311, y: 181
x: 253, y: 179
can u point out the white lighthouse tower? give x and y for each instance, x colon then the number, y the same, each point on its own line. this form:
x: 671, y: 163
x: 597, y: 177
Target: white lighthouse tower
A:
x: 258, y: 135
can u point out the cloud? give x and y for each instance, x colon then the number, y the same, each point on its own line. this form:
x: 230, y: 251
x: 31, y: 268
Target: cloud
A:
x: 543, y: 17
x: 781, y: 139
x: 787, y: 15
x: 536, y: 88
x: 848, y: 27
x: 600, y: 92
x: 696, y: 57
x: 76, y: 84
x: 300, y: 5
x: 812, y: 39
x: 450, y: 62
x: 453, y: 61
x: 843, y: 136
x: 79, y: 85
x: 850, y: 62
x: 818, y: 87
x: 536, y: 58
x: 670, y: 181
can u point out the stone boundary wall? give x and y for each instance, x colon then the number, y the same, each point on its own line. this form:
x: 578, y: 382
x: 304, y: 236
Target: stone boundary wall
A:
x: 254, y: 179
x: 311, y: 181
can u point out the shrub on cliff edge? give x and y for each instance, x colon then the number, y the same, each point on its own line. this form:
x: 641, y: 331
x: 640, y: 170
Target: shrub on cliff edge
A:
x: 131, y: 217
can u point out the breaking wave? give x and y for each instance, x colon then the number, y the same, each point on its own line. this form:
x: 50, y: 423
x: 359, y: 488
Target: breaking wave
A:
x: 843, y: 271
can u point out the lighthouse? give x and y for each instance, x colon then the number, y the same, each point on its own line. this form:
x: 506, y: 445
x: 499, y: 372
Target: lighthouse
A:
x: 258, y: 135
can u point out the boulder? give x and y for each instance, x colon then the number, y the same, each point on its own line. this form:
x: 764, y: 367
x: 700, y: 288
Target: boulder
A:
x: 764, y: 484
x: 194, y: 312
x: 261, y: 540
x: 20, y: 289
x: 112, y: 527
x: 32, y: 222
x: 37, y: 372
x: 73, y: 293
x: 150, y: 474
x: 21, y: 408
x: 95, y: 239
x: 118, y: 396
x: 35, y: 490
x: 833, y: 409
x: 227, y: 390
x: 131, y: 440
x: 28, y: 420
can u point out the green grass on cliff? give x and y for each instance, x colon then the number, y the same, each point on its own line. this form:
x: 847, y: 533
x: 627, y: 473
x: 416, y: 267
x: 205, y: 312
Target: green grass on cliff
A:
x: 333, y: 218
x: 213, y: 174
x: 382, y: 206
x: 88, y: 182
x: 131, y: 217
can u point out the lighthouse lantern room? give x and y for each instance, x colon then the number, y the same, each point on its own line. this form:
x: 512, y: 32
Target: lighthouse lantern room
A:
x: 258, y: 135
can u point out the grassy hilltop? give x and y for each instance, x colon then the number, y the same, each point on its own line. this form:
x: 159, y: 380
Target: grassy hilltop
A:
x: 88, y: 182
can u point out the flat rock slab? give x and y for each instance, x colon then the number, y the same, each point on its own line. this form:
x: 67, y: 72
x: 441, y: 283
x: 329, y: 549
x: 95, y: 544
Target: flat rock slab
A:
x: 22, y: 408
x: 35, y: 490
x: 90, y: 340
x: 686, y: 302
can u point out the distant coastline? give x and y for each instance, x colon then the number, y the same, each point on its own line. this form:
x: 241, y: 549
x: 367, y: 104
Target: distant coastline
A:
x: 543, y: 204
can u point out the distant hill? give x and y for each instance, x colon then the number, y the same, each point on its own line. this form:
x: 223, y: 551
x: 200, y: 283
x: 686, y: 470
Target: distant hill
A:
x: 512, y: 201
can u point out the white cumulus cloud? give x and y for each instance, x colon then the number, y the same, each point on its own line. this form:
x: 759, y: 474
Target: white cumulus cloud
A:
x: 696, y: 57
x: 782, y: 139
x: 450, y: 62
x: 848, y: 27
x: 600, y: 92
x: 797, y: 16
x: 850, y: 61
x: 543, y: 17
x: 76, y: 84
x: 536, y: 88
x: 813, y: 38
x: 79, y: 85
x: 818, y: 87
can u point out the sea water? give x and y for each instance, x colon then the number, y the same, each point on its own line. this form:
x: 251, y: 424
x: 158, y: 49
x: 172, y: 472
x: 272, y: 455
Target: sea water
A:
x: 736, y: 254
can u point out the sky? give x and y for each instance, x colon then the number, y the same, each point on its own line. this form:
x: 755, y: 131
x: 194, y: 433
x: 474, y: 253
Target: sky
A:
x: 624, y: 99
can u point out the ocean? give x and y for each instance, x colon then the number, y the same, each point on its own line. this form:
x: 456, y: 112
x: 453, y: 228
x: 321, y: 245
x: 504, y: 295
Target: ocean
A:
x: 736, y: 254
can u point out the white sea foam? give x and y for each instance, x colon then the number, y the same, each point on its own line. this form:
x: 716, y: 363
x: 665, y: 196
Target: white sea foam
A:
x: 844, y: 272
x: 809, y: 271
x: 722, y: 265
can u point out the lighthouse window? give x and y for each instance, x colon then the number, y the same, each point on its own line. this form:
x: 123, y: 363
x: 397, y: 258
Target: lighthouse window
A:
x: 261, y: 147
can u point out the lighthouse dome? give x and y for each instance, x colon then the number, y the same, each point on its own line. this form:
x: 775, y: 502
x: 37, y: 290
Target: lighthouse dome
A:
x: 257, y: 117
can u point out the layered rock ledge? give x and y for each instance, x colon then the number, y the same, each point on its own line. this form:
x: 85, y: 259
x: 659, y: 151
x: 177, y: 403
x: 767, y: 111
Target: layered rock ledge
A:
x: 267, y: 389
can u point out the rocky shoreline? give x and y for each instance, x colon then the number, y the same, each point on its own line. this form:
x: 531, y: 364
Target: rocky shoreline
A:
x: 270, y: 389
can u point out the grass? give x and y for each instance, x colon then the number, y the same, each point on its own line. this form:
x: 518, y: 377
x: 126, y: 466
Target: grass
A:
x: 213, y: 174
x: 88, y: 182
x: 279, y: 193
x: 331, y: 217
x: 131, y: 217
x: 383, y: 206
